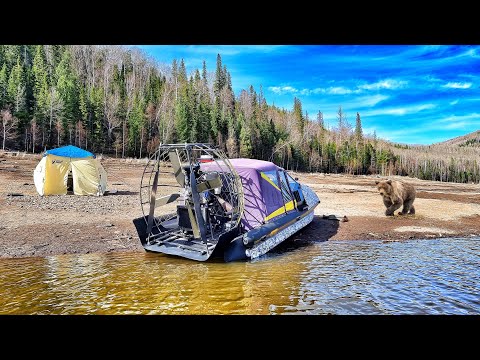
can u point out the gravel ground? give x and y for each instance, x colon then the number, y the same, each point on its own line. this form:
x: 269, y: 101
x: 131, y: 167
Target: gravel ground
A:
x: 31, y: 225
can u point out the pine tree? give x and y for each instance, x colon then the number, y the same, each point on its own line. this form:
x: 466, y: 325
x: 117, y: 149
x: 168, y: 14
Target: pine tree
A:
x: 67, y: 87
x: 344, y: 127
x: 298, y: 113
x: 182, y: 73
x: 219, y: 82
x: 2, y: 54
x: 136, y: 125
x: 358, y: 129
x: 373, y: 153
x: 246, y: 147
x: 95, y: 118
x: 175, y: 76
x: 197, y: 78
x: 204, y: 119
x: 193, y: 106
x: 3, y: 86
x: 12, y: 53
x: 39, y: 70
x: 16, y: 89
x: 228, y: 78
x: 215, y: 121
x: 320, y: 121
x: 204, y: 74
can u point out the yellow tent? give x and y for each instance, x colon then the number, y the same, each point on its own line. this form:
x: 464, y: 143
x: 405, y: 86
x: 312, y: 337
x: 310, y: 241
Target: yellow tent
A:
x: 52, y: 172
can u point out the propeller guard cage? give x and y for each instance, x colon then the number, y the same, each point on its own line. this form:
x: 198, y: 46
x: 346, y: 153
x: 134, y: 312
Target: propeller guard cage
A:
x: 191, y: 198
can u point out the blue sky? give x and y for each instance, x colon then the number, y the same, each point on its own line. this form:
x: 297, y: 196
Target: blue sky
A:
x: 417, y: 94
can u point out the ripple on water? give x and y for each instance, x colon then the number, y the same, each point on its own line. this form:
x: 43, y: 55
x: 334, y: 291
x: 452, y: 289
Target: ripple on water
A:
x: 438, y: 276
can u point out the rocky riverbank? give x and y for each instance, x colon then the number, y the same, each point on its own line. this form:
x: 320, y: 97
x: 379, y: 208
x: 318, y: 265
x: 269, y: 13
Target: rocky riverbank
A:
x: 350, y: 209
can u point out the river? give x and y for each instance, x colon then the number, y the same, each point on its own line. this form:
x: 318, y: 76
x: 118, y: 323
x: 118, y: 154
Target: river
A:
x: 435, y: 276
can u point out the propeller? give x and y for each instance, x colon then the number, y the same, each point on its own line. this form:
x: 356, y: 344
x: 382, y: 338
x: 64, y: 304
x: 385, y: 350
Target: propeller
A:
x: 177, y: 168
x: 193, y: 221
x: 209, y: 181
x: 213, y: 181
x: 167, y: 199
x: 225, y: 204
x: 180, y: 176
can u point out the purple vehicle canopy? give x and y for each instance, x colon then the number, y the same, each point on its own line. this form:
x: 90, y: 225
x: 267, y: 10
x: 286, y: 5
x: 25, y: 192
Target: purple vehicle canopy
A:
x: 262, y: 195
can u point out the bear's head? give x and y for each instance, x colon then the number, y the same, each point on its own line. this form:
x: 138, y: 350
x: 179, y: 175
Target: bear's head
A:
x: 385, y: 188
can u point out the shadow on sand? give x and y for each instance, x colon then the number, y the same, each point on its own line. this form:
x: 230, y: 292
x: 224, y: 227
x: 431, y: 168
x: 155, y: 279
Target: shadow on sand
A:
x: 121, y: 192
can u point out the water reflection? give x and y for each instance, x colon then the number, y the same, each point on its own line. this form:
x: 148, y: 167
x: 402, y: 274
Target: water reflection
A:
x: 335, y: 277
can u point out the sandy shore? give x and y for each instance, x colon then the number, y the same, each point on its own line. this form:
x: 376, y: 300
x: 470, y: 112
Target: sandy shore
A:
x: 31, y: 225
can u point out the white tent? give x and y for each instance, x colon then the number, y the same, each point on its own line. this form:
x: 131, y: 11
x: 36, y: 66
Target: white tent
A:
x: 52, y: 172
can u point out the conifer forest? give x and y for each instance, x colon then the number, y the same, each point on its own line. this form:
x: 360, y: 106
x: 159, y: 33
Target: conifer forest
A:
x: 117, y: 101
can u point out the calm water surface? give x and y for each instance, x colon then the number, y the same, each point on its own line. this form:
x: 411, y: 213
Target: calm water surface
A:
x: 439, y: 276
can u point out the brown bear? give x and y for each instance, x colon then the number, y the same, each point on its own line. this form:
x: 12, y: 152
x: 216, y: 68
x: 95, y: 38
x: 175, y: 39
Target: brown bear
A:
x: 395, y: 194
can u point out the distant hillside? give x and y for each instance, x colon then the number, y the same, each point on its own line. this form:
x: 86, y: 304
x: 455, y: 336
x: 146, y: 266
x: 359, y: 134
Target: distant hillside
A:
x: 472, y: 139
x: 454, y: 160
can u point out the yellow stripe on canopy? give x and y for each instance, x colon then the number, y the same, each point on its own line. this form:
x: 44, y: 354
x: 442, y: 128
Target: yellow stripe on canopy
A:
x: 290, y: 206
x: 269, y: 180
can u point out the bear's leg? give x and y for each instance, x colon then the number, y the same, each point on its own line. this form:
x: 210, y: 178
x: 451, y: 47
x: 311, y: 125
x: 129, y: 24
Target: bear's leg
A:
x: 412, y: 210
x: 407, y: 205
x: 391, y: 210
x: 387, y: 202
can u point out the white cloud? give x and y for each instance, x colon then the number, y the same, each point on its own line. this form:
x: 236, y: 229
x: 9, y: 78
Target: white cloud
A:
x: 400, y: 111
x: 226, y: 50
x: 338, y: 90
x: 454, y: 102
x: 371, y: 100
x: 283, y: 89
x: 452, y: 122
x: 455, y: 122
x: 430, y: 78
x: 457, y: 125
x: 319, y: 91
x: 385, y: 84
x: 332, y: 90
x: 389, y: 84
x: 458, y: 85
x: 460, y: 118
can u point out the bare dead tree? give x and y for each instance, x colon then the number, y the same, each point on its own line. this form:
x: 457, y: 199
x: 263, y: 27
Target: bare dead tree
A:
x: 59, y: 129
x: 34, y: 130
x: 9, y: 123
x: 112, y: 102
x: 54, y: 108
x: 164, y: 116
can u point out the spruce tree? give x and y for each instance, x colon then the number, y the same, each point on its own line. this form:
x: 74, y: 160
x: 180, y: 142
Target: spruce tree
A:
x: 67, y: 87
x: 39, y: 70
x: 215, y: 121
x: 16, y: 89
x: 204, y: 119
x: 204, y: 74
x: 3, y: 86
x: 320, y: 121
x: 2, y: 55
x: 219, y: 82
x: 246, y: 148
x: 358, y: 129
x: 136, y: 126
x: 12, y: 53
x: 298, y: 113
x: 182, y: 73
